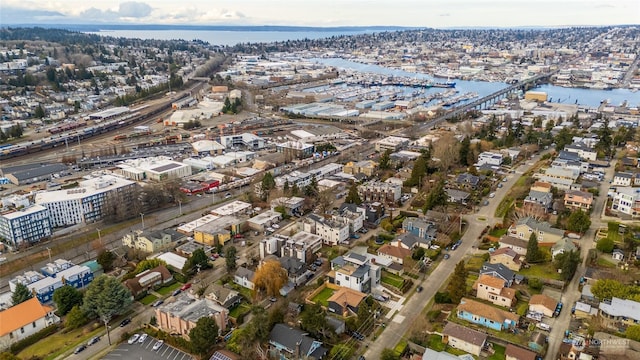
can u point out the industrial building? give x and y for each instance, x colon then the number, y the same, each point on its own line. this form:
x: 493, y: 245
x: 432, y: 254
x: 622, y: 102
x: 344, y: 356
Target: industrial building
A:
x: 245, y: 140
x: 157, y: 169
x: 295, y: 150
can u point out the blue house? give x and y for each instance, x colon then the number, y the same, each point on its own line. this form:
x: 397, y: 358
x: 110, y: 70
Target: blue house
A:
x: 486, y: 315
x: 420, y: 228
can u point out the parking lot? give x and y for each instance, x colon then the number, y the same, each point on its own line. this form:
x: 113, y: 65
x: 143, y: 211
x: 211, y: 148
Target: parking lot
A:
x: 145, y: 351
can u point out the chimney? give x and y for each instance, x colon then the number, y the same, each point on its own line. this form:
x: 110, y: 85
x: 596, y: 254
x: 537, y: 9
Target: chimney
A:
x: 296, y: 356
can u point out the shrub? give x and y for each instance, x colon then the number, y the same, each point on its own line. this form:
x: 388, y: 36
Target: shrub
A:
x: 442, y: 298
x: 535, y: 284
x: 30, y: 340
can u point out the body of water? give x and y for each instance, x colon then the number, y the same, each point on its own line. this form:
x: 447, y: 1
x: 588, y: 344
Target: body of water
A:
x: 586, y: 97
x: 225, y: 38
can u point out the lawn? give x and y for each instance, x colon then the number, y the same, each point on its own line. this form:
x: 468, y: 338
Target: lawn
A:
x: 435, y: 343
x: 169, y: 289
x: 322, y: 296
x: 602, y: 262
x: 55, y: 345
x: 498, y: 232
x: 543, y: 270
x: 392, y: 279
x: 239, y: 310
x: 522, y: 308
x: 499, y: 353
x: 475, y: 263
x: 471, y: 279
x: 149, y: 299
x: 612, y: 232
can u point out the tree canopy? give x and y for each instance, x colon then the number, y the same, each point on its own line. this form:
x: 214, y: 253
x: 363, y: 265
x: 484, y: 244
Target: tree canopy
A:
x: 197, y: 261
x: 609, y: 288
x: 204, y: 335
x: 66, y: 298
x: 149, y: 264
x: 352, y: 196
x: 385, y: 160
x: 605, y: 245
x: 567, y: 262
x: 458, y: 283
x: 21, y: 294
x: 314, y: 320
x: 418, y: 172
x: 269, y: 278
x: 579, y: 222
x: 230, y: 257
x: 106, y: 297
x: 105, y: 259
x: 533, y: 251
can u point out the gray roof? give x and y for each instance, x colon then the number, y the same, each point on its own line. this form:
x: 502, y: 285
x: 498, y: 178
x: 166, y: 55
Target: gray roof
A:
x: 514, y: 241
x: 465, y: 334
x: 361, y: 271
x: 498, y: 269
x: 355, y: 256
x: 540, y: 197
x: 540, y: 226
x: 338, y: 260
x: 623, y: 175
x: 457, y: 195
x: 468, y: 179
x: 289, y: 337
x: 37, y: 171
x: 564, y: 244
x: 620, y: 307
x: 568, y: 155
x: 409, y: 240
x: 244, y: 272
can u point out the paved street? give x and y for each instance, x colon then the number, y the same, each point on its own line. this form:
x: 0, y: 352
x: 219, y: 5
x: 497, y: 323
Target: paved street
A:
x: 397, y: 328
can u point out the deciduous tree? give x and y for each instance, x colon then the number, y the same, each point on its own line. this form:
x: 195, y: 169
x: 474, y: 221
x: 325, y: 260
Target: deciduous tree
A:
x: 269, y: 278
x: 567, y: 262
x: 385, y: 160
x: 352, y: 196
x: 605, y: 245
x: 197, y: 261
x: 341, y: 352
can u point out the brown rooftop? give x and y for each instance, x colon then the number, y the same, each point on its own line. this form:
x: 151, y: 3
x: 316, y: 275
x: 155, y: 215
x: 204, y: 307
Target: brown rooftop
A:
x: 519, y: 353
x: 465, y: 334
x: 544, y: 300
x: 489, y: 280
x: 486, y: 311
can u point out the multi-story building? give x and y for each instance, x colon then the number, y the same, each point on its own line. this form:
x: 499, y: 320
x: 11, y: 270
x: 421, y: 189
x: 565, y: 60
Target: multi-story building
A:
x: 25, y: 226
x: 379, y: 191
x: 287, y: 343
x: 575, y: 199
x: 366, y: 167
x: 626, y: 200
x: 332, y: 231
x: 585, y: 152
x: 148, y: 241
x: 181, y: 315
x: 494, y: 289
x: 560, y: 178
x: 158, y: 168
x: 420, y: 228
x: 489, y: 158
x: 218, y: 231
x: 291, y: 205
x: 507, y: 257
x: 53, y: 276
x: 302, y: 246
x: 393, y: 143
x: 357, y: 271
x: 545, y: 233
x: 23, y: 320
x: 85, y: 203
x: 244, y: 140
x: 295, y: 150
x: 622, y: 179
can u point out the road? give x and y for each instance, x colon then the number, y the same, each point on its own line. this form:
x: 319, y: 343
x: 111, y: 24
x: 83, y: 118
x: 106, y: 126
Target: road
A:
x: 571, y: 293
x: 400, y: 324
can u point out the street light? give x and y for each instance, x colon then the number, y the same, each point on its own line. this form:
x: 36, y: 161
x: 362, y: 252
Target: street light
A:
x: 142, y: 217
x: 99, y: 236
x: 106, y: 322
x: 49, y: 250
x: 180, y: 203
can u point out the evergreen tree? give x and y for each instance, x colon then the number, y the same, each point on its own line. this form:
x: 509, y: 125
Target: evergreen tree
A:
x: 436, y: 197
x: 385, y: 160
x: 465, y: 149
x: 66, y: 298
x: 418, y: 172
x: 204, y: 335
x: 458, y: 283
x: 533, y: 252
x: 352, y: 196
x: 21, y: 294
x: 579, y: 222
x: 39, y: 113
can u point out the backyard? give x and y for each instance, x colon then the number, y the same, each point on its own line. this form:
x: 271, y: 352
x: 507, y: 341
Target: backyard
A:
x: 542, y: 271
x: 392, y: 279
x: 499, y: 353
x: 169, y: 289
x: 149, y: 299
x: 322, y: 296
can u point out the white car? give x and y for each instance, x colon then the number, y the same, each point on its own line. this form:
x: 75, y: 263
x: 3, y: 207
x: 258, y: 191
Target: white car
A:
x: 134, y: 338
x: 142, y: 338
x: 275, y: 226
x: 492, y: 195
x: 158, y: 345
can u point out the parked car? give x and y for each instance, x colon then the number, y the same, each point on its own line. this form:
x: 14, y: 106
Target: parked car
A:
x: 446, y: 256
x: 227, y: 195
x: 142, y: 338
x: 380, y: 297
x: 79, y: 349
x: 275, y: 226
x: 317, y: 262
x: 185, y: 287
x: 492, y: 195
x: 358, y: 336
x: 157, y: 303
x: 93, y: 340
x: 158, y: 345
x: 125, y: 322
x: 419, y: 289
x: 133, y: 339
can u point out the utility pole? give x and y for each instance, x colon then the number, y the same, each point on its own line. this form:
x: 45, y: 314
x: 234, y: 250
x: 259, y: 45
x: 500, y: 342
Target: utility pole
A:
x: 99, y: 237
x: 142, y: 217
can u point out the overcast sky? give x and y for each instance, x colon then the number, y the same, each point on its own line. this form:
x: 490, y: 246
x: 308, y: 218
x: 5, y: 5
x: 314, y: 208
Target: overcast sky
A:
x: 415, y: 13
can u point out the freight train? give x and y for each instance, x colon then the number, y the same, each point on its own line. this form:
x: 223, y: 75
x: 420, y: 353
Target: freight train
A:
x: 77, y: 131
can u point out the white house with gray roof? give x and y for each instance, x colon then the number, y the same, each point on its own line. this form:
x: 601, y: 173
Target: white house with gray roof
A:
x: 620, y: 311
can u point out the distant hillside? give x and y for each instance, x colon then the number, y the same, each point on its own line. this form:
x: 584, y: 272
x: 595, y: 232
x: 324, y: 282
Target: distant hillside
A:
x: 93, y: 27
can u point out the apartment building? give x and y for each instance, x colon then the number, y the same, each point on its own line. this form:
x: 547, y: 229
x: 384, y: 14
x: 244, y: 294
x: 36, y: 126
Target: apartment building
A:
x: 393, y: 143
x: 423, y: 229
x: 332, y: 231
x: 626, y: 200
x: 180, y: 316
x: 489, y: 158
x: 376, y: 191
x: 24, y: 226
x: 148, y: 242
x: 84, y: 204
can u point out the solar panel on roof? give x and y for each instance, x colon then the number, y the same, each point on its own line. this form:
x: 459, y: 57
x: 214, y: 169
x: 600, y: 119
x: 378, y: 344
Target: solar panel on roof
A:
x: 218, y: 356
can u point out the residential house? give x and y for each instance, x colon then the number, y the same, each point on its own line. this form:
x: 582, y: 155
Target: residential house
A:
x: 489, y: 158
x: 223, y: 296
x: 620, y: 312
x: 545, y: 233
x: 366, y: 167
x: 565, y: 245
x: 291, y: 205
x: 345, y: 301
x: 148, y: 280
x: 357, y: 271
x: 302, y: 246
x: 296, y: 270
x: 287, y: 343
x: 513, y: 352
x: 585, y: 152
x: 410, y: 241
x: 507, y: 257
x: 583, y: 310
x: 435, y: 355
x: 568, y: 156
x: 457, y: 196
x: 224, y: 354
x: 395, y: 253
x: 486, y: 315
x: 542, y: 304
x: 244, y: 277
x: 468, y: 181
x: 537, y: 341
x: 541, y: 186
x: 493, y: 289
x: 420, y: 228
x: 148, y: 241
x: 380, y: 191
x: 516, y: 244
x: 181, y: 315
x: 560, y: 178
x: 463, y: 338
x: 578, y: 200
x: 617, y: 255
x: 622, y: 179
x: 332, y: 231
x: 538, y: 202
x: 23, y: 320
x: 580, y: 166
x: 626, y: 200
x: 499, y: 271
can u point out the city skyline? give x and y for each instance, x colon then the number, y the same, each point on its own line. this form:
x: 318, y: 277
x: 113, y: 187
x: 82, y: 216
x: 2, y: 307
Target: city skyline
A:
x: 409, y: 13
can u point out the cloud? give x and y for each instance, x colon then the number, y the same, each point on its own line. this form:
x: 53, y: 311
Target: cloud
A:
x: 13, y: 15
x: 134, y: 9
x: 444, y: 14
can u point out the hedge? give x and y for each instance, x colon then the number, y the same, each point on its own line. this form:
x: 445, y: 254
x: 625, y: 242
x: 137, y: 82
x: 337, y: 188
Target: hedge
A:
x: 28, y: 341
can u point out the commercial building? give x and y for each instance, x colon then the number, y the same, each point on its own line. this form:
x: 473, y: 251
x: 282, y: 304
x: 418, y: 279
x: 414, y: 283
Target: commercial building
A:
x: 31, y: 173
x: 85, y: 203
x: 180, y: 316
x: 189, y: 227
x: 23, y: 320
x: 234, y: 208
x: 366, y: 167
x: 25, y: 226
x: 245, y: 140
x: 292, y: 205
x: 264, y: 220
x: 393, y: 143
x: 158, y: 168
x: 218, y: 231
x: 295, y: 150
x: 207, y: 147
